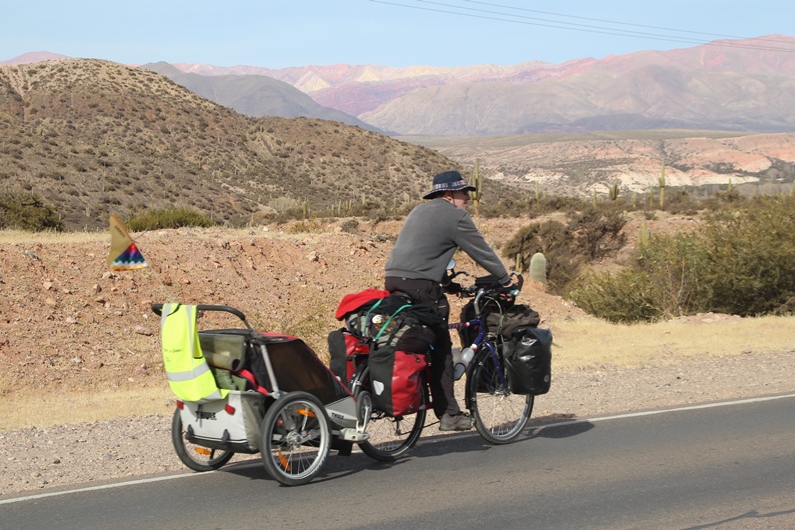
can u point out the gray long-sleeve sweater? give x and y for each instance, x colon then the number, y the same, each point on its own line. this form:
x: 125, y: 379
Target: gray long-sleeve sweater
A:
x: 429, y: 238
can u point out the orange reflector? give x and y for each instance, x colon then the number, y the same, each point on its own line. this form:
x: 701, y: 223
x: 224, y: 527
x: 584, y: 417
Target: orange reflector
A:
x: 203, y: 451
x: 361, y: 348
x: 229, y: 409
x: 180, y: 405
x: 306, y: 412
x: 283, y: 460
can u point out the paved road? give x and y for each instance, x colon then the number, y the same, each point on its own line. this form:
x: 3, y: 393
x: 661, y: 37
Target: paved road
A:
x: 727, y: 467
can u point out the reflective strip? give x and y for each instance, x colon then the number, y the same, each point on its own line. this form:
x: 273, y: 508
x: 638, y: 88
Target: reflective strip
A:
x: 189, y: 311
x: 177, y: 377
x: 212, y: 397
x: 165, y: 312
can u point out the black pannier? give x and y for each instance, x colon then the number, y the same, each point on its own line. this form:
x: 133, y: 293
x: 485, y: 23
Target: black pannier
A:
x: 528, y: 360
x: 498, y: 323
x: 526, y: 349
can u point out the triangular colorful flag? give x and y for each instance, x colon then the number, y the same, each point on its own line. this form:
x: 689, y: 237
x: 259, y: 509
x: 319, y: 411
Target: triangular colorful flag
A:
x: 124, y: 255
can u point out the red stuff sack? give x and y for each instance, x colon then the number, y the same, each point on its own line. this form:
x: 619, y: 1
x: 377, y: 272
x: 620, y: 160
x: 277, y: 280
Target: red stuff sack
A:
x: 396, y: 380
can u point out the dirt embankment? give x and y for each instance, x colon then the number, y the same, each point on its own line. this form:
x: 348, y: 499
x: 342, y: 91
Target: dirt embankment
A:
x: 67, y: 323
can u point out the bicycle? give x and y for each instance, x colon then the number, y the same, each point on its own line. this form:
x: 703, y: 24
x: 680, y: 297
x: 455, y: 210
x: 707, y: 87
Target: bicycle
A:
x: 499, y: 415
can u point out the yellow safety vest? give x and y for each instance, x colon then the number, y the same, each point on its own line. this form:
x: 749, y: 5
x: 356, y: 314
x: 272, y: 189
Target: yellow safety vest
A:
x: 187, y: 371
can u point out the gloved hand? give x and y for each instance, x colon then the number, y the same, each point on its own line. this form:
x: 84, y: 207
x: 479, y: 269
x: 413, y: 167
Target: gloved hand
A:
x: 510, y: 288
x: 508, y: 292
x: 452, y: 288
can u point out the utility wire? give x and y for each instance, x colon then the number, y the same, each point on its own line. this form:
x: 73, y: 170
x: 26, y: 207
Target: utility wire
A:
x: 622, y: 23
x: 579, y: 27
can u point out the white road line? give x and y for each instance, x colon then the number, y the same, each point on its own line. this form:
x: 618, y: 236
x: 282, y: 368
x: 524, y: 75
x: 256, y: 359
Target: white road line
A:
x: 104, y: 487
x: 665, y: 411
x: 423, y: 442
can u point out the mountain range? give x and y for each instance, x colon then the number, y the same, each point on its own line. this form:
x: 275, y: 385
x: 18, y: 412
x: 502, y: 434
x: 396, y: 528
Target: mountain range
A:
x: 728, y: 85
x: 731, y: 85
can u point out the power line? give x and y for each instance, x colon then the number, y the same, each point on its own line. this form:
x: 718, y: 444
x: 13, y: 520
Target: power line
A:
x: 581, y: 27
x: 617, y: 22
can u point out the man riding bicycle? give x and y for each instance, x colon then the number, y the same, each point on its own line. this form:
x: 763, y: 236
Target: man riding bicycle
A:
x: 431, y: 234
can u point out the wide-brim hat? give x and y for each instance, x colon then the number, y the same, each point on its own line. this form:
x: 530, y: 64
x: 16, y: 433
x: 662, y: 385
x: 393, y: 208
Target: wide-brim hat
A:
x: 448, y: 181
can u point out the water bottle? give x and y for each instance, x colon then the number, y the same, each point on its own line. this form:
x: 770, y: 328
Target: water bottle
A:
x: 461, y: 359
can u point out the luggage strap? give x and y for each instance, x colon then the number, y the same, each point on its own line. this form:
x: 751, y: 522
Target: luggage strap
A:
x: 381, y: 331
x: 248, y: 376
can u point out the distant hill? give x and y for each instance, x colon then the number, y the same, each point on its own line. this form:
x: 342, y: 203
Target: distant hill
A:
x: 651, y: 97
x: 92, y: 136
x: 587, y: 163
x: 33, y: 57
x: 732, y: 85
x: 728, y: 85
x: 255, y: 95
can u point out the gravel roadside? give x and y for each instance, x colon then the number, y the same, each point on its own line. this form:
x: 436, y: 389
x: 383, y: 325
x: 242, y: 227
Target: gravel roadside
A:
x: 41, y: 458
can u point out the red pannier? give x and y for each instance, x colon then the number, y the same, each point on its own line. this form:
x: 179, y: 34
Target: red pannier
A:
x: 396, y: 380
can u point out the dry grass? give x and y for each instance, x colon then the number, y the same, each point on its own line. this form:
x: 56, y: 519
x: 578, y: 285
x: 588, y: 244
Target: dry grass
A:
x: 35, y: 409
x: 591, y: 342
x: 24, y: 237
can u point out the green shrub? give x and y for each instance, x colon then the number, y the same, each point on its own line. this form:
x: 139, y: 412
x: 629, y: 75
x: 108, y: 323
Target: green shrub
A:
x: 555, y: 241
x: 752, y: 252
x: 174, y: 217
x: 667, y: 281
x: 598, y: 233
x: 741, y: 262
x: 25, y: 211
x: 624, y: 297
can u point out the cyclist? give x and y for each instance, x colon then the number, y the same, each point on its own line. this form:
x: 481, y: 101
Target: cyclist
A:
x: 417, y: 264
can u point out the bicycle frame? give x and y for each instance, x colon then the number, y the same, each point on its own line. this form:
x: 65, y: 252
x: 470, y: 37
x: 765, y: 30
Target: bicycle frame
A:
x: 480, y: 340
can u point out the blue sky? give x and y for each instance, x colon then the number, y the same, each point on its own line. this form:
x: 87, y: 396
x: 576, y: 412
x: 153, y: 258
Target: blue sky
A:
x: 282, y: 33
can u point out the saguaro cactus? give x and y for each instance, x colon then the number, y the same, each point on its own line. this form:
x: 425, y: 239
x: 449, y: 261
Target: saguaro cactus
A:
x: 662, y: 186
x: 538, y: 267
x: 644, y: 234
x: 613, y: 192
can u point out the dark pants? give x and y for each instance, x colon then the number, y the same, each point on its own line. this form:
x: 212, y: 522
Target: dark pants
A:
x: 430, y: 294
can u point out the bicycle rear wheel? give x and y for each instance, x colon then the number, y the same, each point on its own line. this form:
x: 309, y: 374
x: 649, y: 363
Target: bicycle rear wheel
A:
x: 391, y: 438
x: 500, y: 416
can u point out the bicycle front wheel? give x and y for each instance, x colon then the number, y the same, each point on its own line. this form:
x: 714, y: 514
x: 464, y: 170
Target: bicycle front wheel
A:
x: 500, y: 416
x: 391, y: 437
x: 295, y: 438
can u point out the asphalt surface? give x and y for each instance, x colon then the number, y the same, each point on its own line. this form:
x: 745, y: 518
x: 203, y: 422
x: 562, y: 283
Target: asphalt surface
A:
x: 728, y: 466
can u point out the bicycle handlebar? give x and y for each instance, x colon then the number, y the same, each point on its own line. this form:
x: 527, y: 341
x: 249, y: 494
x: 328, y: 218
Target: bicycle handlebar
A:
x: 491, y: 288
